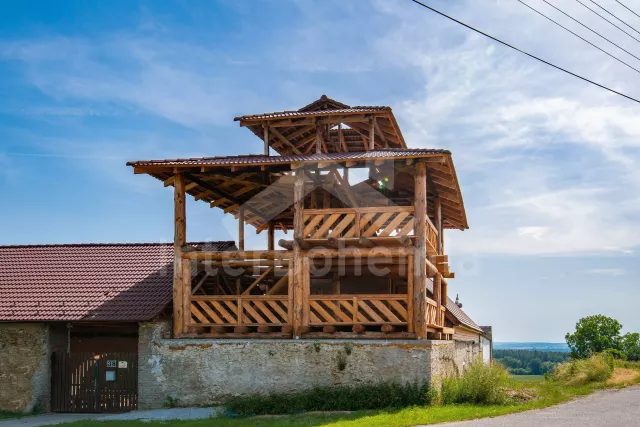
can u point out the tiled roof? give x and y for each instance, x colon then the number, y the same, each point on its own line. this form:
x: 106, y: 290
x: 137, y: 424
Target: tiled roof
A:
x: 293, y: 114
x: 88, y: 282
x: 457, y: 312
x: 315, y: 157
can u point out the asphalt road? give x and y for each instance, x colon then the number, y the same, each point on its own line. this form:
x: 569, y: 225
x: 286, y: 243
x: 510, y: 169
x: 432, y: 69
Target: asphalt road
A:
x: 616, y: 408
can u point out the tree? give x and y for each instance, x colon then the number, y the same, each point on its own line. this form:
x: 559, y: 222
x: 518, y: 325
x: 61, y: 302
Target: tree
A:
x: 594, y: 334
x: 535, y: 366
x: 631, y: 346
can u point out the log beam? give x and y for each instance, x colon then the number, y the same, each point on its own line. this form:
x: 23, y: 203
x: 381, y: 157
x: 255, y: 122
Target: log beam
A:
x: 420, y: 253
x: 179, y: 240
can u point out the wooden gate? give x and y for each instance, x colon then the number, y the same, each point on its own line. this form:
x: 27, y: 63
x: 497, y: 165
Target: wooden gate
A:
x: 89, y: 382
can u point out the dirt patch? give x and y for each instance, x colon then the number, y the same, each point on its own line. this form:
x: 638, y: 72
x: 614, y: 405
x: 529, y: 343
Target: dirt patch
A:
x: 521, y: 395
x: 623, y: 376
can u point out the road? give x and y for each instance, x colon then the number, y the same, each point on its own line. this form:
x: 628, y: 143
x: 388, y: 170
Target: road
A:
x: 617, y: 408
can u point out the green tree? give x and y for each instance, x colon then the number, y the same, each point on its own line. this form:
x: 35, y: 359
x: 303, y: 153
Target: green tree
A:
x: 535, y: 366
x: 594, y: 334
x: 631, y: 346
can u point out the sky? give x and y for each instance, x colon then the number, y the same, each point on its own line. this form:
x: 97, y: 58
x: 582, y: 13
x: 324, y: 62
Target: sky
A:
x: 549, y: 165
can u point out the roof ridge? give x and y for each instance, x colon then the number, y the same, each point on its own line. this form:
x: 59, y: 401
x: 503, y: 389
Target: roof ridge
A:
x: 84, y: 245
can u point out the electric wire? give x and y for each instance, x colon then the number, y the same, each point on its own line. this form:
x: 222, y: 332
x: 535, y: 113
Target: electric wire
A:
x: 523, y: 52
x: 608, y: 21
x: 614, y: 16
x: 580, y: 37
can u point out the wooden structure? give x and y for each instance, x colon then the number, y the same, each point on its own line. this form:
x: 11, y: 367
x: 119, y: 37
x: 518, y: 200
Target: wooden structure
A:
x: 359, y: 259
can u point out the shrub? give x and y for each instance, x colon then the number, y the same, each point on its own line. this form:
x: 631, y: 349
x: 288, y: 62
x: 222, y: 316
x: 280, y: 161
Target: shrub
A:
x: 598, y: 367
x: 615, y: 354
x: 364, y: 397
x: 480, y: 383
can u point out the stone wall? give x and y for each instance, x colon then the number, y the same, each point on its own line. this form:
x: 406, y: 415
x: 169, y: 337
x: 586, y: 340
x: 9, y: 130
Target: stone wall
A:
x: 206, y: 371
x: 25, y: 367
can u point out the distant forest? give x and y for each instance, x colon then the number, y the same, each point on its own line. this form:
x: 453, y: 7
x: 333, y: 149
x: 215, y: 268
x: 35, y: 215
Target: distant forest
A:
x: 529, y: 362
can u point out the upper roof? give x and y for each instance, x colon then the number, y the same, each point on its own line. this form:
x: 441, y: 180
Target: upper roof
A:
x: 234, y: 181
x: 294, y: 132
x: 88, y: 282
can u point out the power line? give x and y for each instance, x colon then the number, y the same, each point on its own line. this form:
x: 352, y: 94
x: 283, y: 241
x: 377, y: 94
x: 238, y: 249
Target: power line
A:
x: 614, y: 16
x: 589, y: 28
x: 622, y: 4
x: 580, y: 37
x: 608, y: 21
x: 523, y: 52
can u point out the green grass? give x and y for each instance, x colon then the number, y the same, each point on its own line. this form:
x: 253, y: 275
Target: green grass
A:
x: 528, y: 378
x: 6, y: 415
x: 549, y: 393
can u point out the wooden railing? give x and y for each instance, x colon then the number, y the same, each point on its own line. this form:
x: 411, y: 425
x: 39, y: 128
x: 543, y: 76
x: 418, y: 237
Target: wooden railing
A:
x: 337, y: 310
x: 380, y: 221
x: 432, y: 237
x: 383, y: 221
x: 244, y: 310
x: 433, y: 318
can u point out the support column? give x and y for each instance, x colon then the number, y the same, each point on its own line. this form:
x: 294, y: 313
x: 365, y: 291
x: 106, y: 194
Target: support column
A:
x: 265, y: 129
x: 241, y: 228
x: 318, y: 138
x: 179, y: 239
x: 372, y: 134
x: 297, y: 287
x: 186, y: 294
x: 420, y: 253
x: 438, y: 288
x: 270, y: 236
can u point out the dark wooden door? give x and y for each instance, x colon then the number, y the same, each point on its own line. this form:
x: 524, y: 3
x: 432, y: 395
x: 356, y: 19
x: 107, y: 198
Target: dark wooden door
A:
x: 89, y: 382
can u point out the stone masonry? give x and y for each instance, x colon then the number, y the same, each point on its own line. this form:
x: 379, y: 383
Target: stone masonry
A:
x: 200, y: 372
x: 24, y: 367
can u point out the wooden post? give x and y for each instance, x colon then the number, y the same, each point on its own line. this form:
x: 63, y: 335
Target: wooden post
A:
x: 438, y: 224
x: 335, y: 284
x: 270, y: 236
x: 297, y: 287
x: 372, y: 134
x: 186, y: 293
x: 241, y: 228
x: 179, y: 239
x: 420, y: 253
x: 318, y: 138
x: 266, y: 139
x: 410, y: 293
x: 437, y: 281
x: 341, y: 138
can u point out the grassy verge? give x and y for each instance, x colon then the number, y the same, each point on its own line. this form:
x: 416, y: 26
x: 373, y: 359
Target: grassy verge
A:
x: 6, y: 415
x: 528, y: 378
x: 521, y: 395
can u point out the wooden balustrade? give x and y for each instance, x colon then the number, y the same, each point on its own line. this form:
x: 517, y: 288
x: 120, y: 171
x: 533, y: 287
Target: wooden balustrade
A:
x: 433, y: 318
x: 338, y: 310
x: 380, y: 221
x: 432, y: 238
x: 240, y: 310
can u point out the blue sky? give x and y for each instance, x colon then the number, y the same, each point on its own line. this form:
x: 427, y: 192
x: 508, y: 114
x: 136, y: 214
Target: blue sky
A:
x: 548, y: 164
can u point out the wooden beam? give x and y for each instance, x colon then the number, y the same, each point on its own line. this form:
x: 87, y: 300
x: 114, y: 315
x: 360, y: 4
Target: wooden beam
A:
x: 219, y: 194
x: 297, y: 287
x: 270, y: 236
x: 265, y: 130
x: 372, y: 134
x: 241, y: 228
x: 341, y: 139
x: 186, y: 294
x: 347, y: 188
x: 335, y: 284
x: 382, y: 137
x: 258, y: 280
x: 318, y: 138
x: 419, y: 265
x: 285, y: 141
x: 179, y: 240
x: 438, y: 225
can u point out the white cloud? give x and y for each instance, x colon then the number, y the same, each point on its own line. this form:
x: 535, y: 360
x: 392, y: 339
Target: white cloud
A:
x: 607, y: 271
x: 547, y: 163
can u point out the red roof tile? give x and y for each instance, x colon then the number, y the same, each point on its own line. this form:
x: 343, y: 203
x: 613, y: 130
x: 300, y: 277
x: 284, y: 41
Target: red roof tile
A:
x: 251, y: 159
x: 88, y: 282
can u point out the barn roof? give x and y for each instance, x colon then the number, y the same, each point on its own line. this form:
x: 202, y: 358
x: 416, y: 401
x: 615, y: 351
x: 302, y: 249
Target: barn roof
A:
x: 88, y: 282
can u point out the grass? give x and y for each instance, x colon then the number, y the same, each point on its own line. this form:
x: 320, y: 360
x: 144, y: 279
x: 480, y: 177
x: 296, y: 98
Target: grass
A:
x: 6, y: 415
x: 595, y: 369
x: 545, y: 393
x: 528, y: 378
